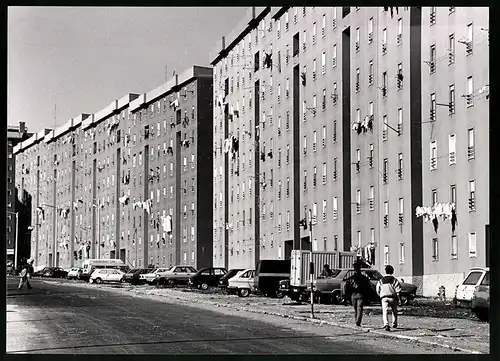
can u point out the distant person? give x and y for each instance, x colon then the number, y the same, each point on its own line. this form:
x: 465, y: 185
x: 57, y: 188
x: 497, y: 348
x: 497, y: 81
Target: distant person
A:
x: 358, y: 287
x: 388, y: 289
x: 26, y: 274
x: 327, y: 272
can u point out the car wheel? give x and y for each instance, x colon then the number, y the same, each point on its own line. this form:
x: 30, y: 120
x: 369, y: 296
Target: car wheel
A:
x: 168, y: 282
x: 280, y: 294
x: 243, y: 292
x: 204, y: 286
x: 122, y: 280
x: 404, y: 299
x: 98, y: 280
x: 336, y: 298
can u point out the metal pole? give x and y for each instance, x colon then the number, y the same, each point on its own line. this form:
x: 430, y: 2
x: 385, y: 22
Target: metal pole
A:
x: 311, y: 274
x: 17, y: 238
x: 98, y: 232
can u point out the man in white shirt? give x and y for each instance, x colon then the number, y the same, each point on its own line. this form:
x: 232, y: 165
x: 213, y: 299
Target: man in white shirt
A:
x: 388, y: 289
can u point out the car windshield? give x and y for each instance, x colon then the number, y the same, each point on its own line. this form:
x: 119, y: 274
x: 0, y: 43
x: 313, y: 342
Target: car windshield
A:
x: 134, y: 270
x: 486, y: 280
x: 472, y: 278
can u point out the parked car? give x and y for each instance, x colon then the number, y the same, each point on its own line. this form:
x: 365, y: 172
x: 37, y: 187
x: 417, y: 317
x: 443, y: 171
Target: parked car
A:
x: 223, y: 281
x: 150, y: 278
x: 175, y: 275
x: 74, y: 273
x: 465, y: 291
x: 55, y: 272
x: 207, y: 277
x: 90, y: 265
x: 329, y: 289
x: 134, y: 276
x: 243, y: 283
x: 268, y: 274
x: 481, y: 299
x: 106, y: 275
x: 40, y: 272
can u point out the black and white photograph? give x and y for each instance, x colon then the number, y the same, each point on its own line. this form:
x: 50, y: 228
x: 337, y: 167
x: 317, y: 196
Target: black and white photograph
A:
x: 248, y: 180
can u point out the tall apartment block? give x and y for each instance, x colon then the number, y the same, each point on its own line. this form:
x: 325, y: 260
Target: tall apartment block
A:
x: 323, y: 111
x: 128, y: 181
x: 16, y: 201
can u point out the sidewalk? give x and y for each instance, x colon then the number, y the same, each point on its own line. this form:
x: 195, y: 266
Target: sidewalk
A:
x: 463, y: 333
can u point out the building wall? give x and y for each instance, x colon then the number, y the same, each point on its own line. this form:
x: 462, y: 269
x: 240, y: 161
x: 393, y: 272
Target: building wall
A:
x: 468, y: 164
x: 320, y: 136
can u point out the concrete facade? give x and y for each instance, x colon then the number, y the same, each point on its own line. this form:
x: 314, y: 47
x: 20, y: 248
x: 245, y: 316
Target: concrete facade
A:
x: 106, y: 181
x: 299, y: 149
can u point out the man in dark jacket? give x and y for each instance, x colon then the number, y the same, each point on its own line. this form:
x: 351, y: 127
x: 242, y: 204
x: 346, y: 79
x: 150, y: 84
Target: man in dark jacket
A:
x: 358, y: 287
x: 327, y: 272
x: 25, y: 274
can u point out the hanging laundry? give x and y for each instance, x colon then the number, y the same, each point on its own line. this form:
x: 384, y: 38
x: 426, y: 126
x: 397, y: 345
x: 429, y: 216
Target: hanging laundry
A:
x: 236, y: 146
x: 270, y: 155
x: 268, y: 62
x: 237, y: 110
x: 386, y: 8
x: 392, y: 11
x: 400, y: 77
x: 435, y: 223
x: 227, y: 145
x: 123, y: 199
x: 453, y: 219
x: 263, y: 156
x: 41, y: 211
x: 364, y: 125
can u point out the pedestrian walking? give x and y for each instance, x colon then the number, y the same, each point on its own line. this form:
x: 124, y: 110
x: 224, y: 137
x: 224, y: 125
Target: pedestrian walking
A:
x: 359, y: 288
x: 388, y: 289
x: 25, y: 274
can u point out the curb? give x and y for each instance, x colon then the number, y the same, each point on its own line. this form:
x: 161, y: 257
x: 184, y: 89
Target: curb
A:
x: 298, y: 318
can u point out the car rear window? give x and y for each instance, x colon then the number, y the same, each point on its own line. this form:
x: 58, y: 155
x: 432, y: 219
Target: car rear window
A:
x: 472, y: 278
x: 486, y: 280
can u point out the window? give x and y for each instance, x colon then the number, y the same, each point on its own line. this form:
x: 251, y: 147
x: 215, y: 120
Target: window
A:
x: 470, y: 31
x: 335, y: 208
x: 323, y: 63
x: 451, y: 99
x: 314, y: 141
x: 314, y: 33
x: 470, y: 144
x: 386, y: 254
x: 357, y: 40
x: 400, y: 166
x: 370, y: 73
x: 386, y: 214
x: 370, y: 30
x: 400, y: 121
x: 432, y: 59
x: 304, y: 40
x: 453, y: 194
x: 305, y: 180
x: 401, y: 210
x: 323, y: 138
x: 452, y: 149
x: 358, y: 201
x: 371, y: 198
x: 335, y: 169
x: 472, y: 245
x: 472, y: 195
x: 385, y: 171
x: 454, y: 247
x: 401, y: 253
x: 359, y: 238
x: 323, y: 173
x: 358, y: 74
x: 323, y: 26
x: 358, y: 160
x: 384, y: 84
x: 432, y: 15
x: 451, y: 49
x: 470, y: 90
x: 287, y: 88
x: 433, y: 155
x: 435, y: 249
x: 384, y: 41
x: 334, y: 56
x: 434, y: 196
x: 400, y: 76
x: 400, y: 31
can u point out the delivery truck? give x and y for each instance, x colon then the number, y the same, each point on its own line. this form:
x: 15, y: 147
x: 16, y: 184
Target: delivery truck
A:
x: 298, y: 286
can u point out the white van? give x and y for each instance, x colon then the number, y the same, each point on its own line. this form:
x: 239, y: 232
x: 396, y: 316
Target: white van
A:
x: 90, y: 265
x: 465, y: 291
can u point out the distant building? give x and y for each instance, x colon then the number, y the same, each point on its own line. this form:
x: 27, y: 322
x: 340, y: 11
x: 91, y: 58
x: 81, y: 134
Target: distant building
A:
x: 131, y: 181
x: 15, y: 135
x: 329, y: 109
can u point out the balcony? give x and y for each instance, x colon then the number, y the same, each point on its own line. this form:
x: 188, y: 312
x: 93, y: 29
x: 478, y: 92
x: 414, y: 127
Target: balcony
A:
x: 370, y: 79
x: 386, y: 220
x: 400, y: 129
x: 472, y: 204
x: 432, y: 114
x: 432, y: 18
x: 335, y: 214
x: 384, y: 91
x: 314, y: 182
x: 371, y: 202
x: 452, y: 108
x: 468, y: 100
x: 314, y: 75
x: 452, y: 158
x: 384, y: 48
x: 358, y: 208
x: 323, y: 69
x: 399, y: 39
x: 471, y: 152
x: 432, y: 67
x: 357, y: 167
x: 433, y: 163
x: 370, y: 38
x: 357, y: 46
x: 335, y: 175
x: 385, y: 178
x: 468, y: 48
x: 323, y: 179
x: 451, y: 58
x: 384, y: 134
x: 323, y: 32
x: 334, y: 98
x: 370, y: 162
x: 357, y: 87
x: 334, y: 23
x: 334, y: 62
x: 314, y: 39
x: 400, y: 218
x: 400, y: 173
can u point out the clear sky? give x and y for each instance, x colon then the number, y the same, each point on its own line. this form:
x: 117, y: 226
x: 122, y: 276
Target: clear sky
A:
x: 82, y: 58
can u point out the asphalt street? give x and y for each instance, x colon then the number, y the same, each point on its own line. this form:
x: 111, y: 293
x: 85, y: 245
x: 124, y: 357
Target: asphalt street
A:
x: 62, y: 319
